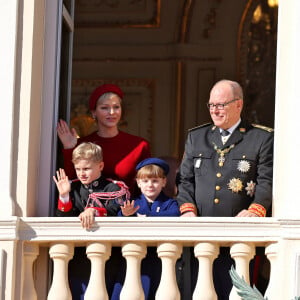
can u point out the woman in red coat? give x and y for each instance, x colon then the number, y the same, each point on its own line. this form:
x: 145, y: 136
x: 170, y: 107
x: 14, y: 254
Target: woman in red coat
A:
x: 121, y: 151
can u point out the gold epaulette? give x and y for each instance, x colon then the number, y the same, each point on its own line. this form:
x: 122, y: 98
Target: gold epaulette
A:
x: 200, y: 126
x: 269, y: 129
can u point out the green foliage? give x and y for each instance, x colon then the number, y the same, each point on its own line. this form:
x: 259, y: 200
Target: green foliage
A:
x: 244, y: 290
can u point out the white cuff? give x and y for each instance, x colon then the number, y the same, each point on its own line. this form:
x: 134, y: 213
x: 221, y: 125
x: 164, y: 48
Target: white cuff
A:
x: 64, y: 200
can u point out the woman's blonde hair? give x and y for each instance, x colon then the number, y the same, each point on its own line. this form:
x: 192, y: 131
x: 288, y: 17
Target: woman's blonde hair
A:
x: 88, y: 151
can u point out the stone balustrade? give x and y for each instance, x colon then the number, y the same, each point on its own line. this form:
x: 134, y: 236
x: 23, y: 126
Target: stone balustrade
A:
x: 169, y: 235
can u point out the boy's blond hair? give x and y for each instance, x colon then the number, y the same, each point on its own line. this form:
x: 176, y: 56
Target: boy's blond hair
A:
x: 88, y: 151
x: 150, y: 171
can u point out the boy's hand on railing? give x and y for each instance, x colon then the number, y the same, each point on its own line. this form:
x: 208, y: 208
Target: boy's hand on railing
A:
x: 87, y: 217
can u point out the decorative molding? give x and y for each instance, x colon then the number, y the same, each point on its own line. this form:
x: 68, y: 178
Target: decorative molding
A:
x: 256, y: 54
x: 117, y: 13
x: 210, y: 20
x: 9, y: 228
x: 185, y: 20
x: 242, y: 41
x: 223, y: 230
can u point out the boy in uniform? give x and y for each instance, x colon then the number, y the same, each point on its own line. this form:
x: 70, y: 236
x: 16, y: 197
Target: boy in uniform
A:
x: 90, y: 196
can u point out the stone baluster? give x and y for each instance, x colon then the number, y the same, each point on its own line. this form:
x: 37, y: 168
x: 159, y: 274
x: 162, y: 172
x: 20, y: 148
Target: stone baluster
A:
x: 132, y: 289
x: 168, y: 289
x: 242, y: 253
x: 30, y: 252
x: 60, y: 253
x: 98, y: 253
x: 271, y: 253
x: 206, y: 254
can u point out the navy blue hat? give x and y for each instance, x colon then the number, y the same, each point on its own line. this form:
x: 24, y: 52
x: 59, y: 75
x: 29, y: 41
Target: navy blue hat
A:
x: 154, y: 161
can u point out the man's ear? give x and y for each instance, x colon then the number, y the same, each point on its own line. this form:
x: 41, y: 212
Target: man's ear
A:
x: 240, y: 104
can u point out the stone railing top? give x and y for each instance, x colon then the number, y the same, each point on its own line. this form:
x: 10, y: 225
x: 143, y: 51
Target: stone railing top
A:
x: 150, y: 229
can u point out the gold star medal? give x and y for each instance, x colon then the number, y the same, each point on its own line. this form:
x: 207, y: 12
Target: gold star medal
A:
x: 235, y: 185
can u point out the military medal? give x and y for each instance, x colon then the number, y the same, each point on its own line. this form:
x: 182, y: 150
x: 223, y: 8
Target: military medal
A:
x: 243, y: 166
x: 250, y: 188
x: 235, y: 185
x: 221, y: 160
x: 222, y: 153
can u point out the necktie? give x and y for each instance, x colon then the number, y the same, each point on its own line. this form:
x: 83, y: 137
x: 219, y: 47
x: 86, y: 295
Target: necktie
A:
x: 225, y: 132
x: 225, y: 135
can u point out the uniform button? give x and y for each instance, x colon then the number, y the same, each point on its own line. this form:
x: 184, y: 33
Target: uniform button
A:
x: 219, y: 175
x: 216, y: 200
x: 218, y: 187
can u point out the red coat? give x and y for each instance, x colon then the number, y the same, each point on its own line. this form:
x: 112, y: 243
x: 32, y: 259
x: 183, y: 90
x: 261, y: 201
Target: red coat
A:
x: 121, y: 154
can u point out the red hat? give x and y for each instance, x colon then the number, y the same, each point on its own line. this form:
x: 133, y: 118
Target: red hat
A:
x: 102, y: 89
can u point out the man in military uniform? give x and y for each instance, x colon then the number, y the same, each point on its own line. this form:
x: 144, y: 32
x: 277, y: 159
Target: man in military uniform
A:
x: 227, y: 167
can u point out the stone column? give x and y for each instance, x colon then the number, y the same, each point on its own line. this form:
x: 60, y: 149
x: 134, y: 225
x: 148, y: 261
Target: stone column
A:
x: 206, y: 254
x: 60, y: 254
x: 98, y: 253
x: 272, y: 253
x: 132, y: 289
x: 8, y: 33
x: 242, y: 253
x: 286, y: 202
x: 30, y: 251
x: 168, y: 289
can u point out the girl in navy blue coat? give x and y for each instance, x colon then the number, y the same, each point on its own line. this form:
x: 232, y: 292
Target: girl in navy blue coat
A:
x: 151, y: 179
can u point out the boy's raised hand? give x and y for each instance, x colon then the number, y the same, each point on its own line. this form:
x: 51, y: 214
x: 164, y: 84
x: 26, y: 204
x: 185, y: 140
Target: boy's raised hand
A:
x: 62, y: 183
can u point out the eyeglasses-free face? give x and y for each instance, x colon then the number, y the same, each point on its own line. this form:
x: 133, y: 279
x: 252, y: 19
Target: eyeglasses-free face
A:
x: 219, y: 106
